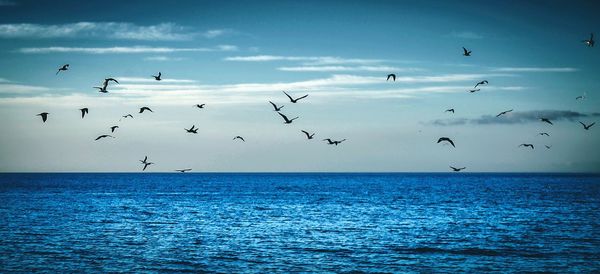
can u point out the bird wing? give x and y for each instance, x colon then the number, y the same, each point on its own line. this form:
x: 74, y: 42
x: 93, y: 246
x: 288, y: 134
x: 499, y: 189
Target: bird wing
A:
x: 274, y: 105
x: 307, y: 135
x: 452, y: 143
x: 145, y: 165
x: 301, y: 97
x: 284, y: 117
x: 291, y: 99
x: 465, y: 50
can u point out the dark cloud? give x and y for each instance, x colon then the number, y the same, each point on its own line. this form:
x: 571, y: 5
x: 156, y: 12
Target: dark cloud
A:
x: 517, y: 117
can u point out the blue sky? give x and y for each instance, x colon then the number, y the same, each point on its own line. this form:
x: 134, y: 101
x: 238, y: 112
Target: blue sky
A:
x: 235, y: 56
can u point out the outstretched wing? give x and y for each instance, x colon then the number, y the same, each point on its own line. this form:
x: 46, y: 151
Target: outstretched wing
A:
x: 291, y: 99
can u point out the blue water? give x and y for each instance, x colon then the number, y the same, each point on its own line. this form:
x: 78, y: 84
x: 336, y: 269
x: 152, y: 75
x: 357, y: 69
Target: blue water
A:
x: 299, y: 222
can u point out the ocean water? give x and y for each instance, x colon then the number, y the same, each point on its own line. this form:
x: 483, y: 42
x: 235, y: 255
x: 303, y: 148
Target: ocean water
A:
x: 266, y: 223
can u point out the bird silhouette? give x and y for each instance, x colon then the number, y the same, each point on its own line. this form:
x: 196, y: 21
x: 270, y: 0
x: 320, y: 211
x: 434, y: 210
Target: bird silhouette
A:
x: 287, y: 121
x: 484, y: 82
x: 457, y: 169
x: 544, y: 133
x: 332, y: 142
x: 200, y: 105
x: 391, y: 75
x: 308, y: 135
x: 44, y: 116
x: 450, y: 110
x: 275, y: 106
x: 547, y: 146
x: 112, y: 129
x: 102, y: 89
x: 527, y: 145
x: 587, y: 127
x: 65, y: 67
x: 504, y: 112
x: 446, y: 139
x: 192, y: 130
x: 142, y: 109
x: 157, y: 77
x: 466, y: 52
x: 240, y: 138
x: 146, y: 164
x: 145, y: 160
x: 546, y: 120
x: 103, y: 136
x: 84, y: 111
x: 474, y: 90
x: 295, y: 100
x: 581, y: 97
x: 589, y: 42
x: 127, y: 116
x: 183, y: 170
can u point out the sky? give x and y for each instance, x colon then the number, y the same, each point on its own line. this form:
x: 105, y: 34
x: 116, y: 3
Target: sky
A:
x: 236, y: 56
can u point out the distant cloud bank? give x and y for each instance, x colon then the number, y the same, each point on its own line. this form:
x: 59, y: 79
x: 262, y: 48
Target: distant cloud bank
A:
x: 518, y: 117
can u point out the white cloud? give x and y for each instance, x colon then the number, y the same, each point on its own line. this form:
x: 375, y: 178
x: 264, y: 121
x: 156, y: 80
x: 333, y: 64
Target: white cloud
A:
x: 347, y: 68
x: 535, y: 69
x: 18, y: 88
x: 216, y: 33
x: 120, y: 50
x: 309, y: 60
x: 125, y: 80
x: 163, y: 58
x: 465, y: 35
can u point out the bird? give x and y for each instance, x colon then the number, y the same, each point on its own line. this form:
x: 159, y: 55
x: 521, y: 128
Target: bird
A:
x: 295, y: 100
x: 589, y: 42
x: 183, y: 170
x: 239, y: 137
x: 44, y: 116
x: 544, y: 133
x: 546, y: 120
x: 581, y: 97
x: 103, y: 136
x: 127, y: 116
x: 200, y: 105
x: 142, y: 109
x: 484, y: 82
x: 287, y: 121
x: 466, y: 52
x: 145, y: 160
x: 504, y: 112
x: 457, y: 169
x: 112, y: 129
x: 446, y: 139
x: 391, y: 75
x: 146, y: 164
x: 84, y: 111
x: 332, y: 142
x: 157, y: 77
x: 547, y: 146
x: 527, y: 145
x: 587, y: 127
x: 474, y: 90
x: 308, y: 135
x: 450, y: 110
x: 102, y: 89
x: 64, y: 67
x: 106, y: 80
x: 104, y: 86
x: 192, y: 130
x: 275, y: 106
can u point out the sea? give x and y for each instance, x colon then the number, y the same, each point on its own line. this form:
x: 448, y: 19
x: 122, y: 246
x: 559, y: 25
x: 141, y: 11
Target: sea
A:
x: 299, y: 222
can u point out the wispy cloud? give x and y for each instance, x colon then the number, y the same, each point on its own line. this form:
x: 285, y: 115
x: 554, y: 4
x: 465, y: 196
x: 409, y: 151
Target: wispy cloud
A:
x: 347, y: 68
x: 310, y: 60
x: 163, y: 58
x: 535, y: 69
x: 217, y: 33
x: 13, y: 88
x: 465, y: 35
x: 126, y: 80
x: 518, y: 117
x: 121, y: 50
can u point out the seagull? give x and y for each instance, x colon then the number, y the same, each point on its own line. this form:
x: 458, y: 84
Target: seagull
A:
x: 581, y: 97
x: 474, y: 90
x: 84, y: 111
x: 287, y: 121
x: 103, y: 136
x: 547, y: 146
x: 587, y: 127
x: 308, y: 135
x: 112, y: 129
x: 192, y: 130
x: 157, y: 78
x: 546, y: 120
x: 104, y: 87
x: 442, y: 139
x: 44, y: 116
x: 466, y: 52
x: 450, y: 110
x: 590, y: 42
x: 527, y: 145
x: 239, y: 137
x: 331, y: 142
x: 65, y: 67
x: 544, y: 133
x: 200, y: 105
x: 275, y: 106
x: 145, y: 160
x: 183, y: 170
x: 295, y: 100
x: 127, y: 116
x: 142, y: 109
x: 146, y: 164
x: 457, y: 169
x: 504, y: 112
x: 484, y: 82
x: 391, y: 75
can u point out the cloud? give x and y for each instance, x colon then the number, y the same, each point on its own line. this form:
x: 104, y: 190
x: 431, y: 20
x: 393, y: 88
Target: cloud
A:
x: 535, y: 69
x: 516, y: 117
x: 216, y: 33
x: 346, y: 68
x: 465, y: 35
x: 163, y: 58
x: 310, y: 60
x: 18, y: 88
x: 121, y: 50
x: 125, y: 80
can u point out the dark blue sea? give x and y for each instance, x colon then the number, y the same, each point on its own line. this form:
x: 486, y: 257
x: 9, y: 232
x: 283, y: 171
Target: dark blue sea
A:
x: 310, y: 222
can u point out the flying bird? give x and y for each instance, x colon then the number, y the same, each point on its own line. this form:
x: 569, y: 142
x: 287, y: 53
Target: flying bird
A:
x: 200, y: 105
x: 504, y: 112
x: 287, y: 121
x: 275, y: 106
x: 183, y: 170
x: 127, y: 116
x: 157, y: 77
x: 65, y: 67
x: 84, y: 111
x: 44, y: 116
x: 332, y: 142
x: 450, y: 110
x: 581, y: 97
x: 104, y: 87
x: 474, y: 90
x: 146, y: 164
x: 112, y: 129
x: 546, y: 120
x: 587, y: 127
x: 589, y: 42
x: 547, y: 146
x: 484, y: 82
x: 446, y: 139
x: 527, y: 145
x: 308, y: 135
x: 239, y: 137
x: 391, y: 75
x: 466, y: 52
x: 142, y: 109
x: 457, y: 169
x: 192, y: 130
x: 145, y: 160
x: 103, y: 136
x: 295, y: 100
x: 544, y: 133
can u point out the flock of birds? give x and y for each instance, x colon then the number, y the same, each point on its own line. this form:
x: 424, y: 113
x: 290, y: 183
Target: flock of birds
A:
x: 286, y: 120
